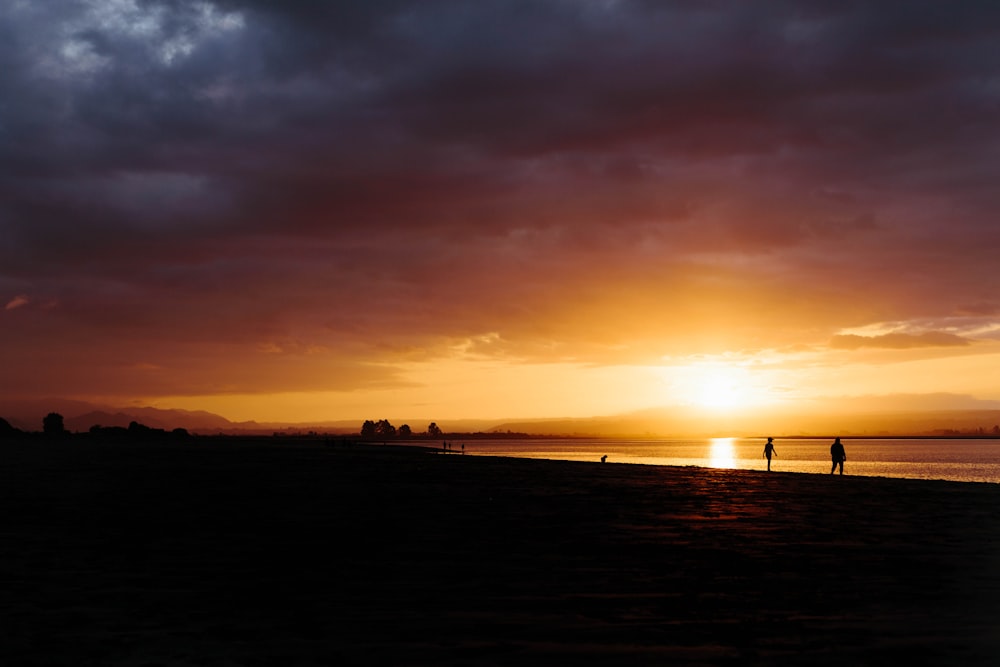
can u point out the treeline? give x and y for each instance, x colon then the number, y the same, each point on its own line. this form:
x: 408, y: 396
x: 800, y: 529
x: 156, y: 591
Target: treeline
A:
x: 383, y: 429
x: 53, y: 427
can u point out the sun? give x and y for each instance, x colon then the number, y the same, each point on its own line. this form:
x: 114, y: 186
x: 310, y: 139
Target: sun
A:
x: 724, y: 384
x: 717, y: 387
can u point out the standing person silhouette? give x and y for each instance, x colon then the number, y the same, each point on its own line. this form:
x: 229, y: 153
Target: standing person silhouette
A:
x: 838, y: 455
x: 769, y: 451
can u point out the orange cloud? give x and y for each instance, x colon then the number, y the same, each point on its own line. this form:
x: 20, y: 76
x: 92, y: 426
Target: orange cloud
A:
x: 898, y: 341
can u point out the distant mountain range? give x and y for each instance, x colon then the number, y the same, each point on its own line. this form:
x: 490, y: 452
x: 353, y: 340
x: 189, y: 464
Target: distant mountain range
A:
x: 80, y: 416
x: 875, y: 416
x: 844, y: 420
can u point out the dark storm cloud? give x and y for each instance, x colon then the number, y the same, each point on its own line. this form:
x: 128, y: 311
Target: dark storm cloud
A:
x: 407, y: 162
x: 334, y: 113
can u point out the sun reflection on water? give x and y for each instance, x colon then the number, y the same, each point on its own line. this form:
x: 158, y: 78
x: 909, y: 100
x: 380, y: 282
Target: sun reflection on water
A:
x: 722, y: 453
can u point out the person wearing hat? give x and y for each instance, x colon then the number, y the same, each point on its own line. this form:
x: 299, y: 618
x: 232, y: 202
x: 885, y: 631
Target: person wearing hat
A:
x: 769, y: 451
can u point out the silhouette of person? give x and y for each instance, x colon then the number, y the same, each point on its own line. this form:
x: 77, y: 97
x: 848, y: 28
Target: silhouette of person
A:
x: 838, y: 455
x: 604, y: 458
x: 769, y: 451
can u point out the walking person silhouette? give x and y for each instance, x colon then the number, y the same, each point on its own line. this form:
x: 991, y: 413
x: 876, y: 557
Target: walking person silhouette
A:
x: 769, y: 451
x: 838, y: 455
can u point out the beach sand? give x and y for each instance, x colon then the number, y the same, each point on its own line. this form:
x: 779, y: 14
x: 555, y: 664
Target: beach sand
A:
x: 226, y: 552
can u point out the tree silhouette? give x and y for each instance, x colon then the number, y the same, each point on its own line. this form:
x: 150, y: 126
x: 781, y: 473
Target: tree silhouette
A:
x: 368, y: 429
x: 434, y: 429
x: 6, y: 429
x: 385, y: 429
x: 405, y: 431
x: 52, y: 424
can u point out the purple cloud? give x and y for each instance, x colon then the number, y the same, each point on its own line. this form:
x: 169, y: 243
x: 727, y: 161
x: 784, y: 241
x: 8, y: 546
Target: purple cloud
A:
x: 361, y: 177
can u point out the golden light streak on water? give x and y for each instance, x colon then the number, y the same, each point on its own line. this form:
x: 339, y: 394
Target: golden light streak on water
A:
x: 722, y: 454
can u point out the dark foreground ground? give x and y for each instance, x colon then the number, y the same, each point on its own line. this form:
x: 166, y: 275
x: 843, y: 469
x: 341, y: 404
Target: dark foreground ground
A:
x: 240, y: 553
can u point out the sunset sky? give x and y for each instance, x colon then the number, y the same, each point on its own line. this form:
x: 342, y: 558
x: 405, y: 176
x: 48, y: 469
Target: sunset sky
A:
x: 310, y: 210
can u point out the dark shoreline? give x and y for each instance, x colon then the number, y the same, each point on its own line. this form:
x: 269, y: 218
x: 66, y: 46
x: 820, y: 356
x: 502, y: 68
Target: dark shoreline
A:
x: 264, y: 553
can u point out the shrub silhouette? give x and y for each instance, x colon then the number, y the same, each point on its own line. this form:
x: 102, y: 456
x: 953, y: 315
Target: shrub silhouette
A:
x: 6, y: 430
x: 52, y: 424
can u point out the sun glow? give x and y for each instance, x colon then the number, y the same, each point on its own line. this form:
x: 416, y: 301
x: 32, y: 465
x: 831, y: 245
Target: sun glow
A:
x: 720, y: 387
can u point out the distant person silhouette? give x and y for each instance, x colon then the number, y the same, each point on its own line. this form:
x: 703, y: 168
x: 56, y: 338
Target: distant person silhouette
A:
x: 838, y: 455
x: 768, y: 452
x: 604, y: 458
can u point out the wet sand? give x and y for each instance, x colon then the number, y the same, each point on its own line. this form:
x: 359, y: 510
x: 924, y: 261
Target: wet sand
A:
x: 225, y: 553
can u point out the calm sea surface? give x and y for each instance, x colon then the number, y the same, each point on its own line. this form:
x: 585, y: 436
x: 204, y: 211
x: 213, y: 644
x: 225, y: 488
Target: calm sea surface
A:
x: 963, y: 460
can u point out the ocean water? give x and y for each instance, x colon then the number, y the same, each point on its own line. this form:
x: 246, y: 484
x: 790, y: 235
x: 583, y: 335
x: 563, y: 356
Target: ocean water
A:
x: 958, y: 459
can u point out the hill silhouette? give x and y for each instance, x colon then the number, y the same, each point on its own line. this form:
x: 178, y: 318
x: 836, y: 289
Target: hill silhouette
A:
x: 849, y: 418
x: 80, y: 416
